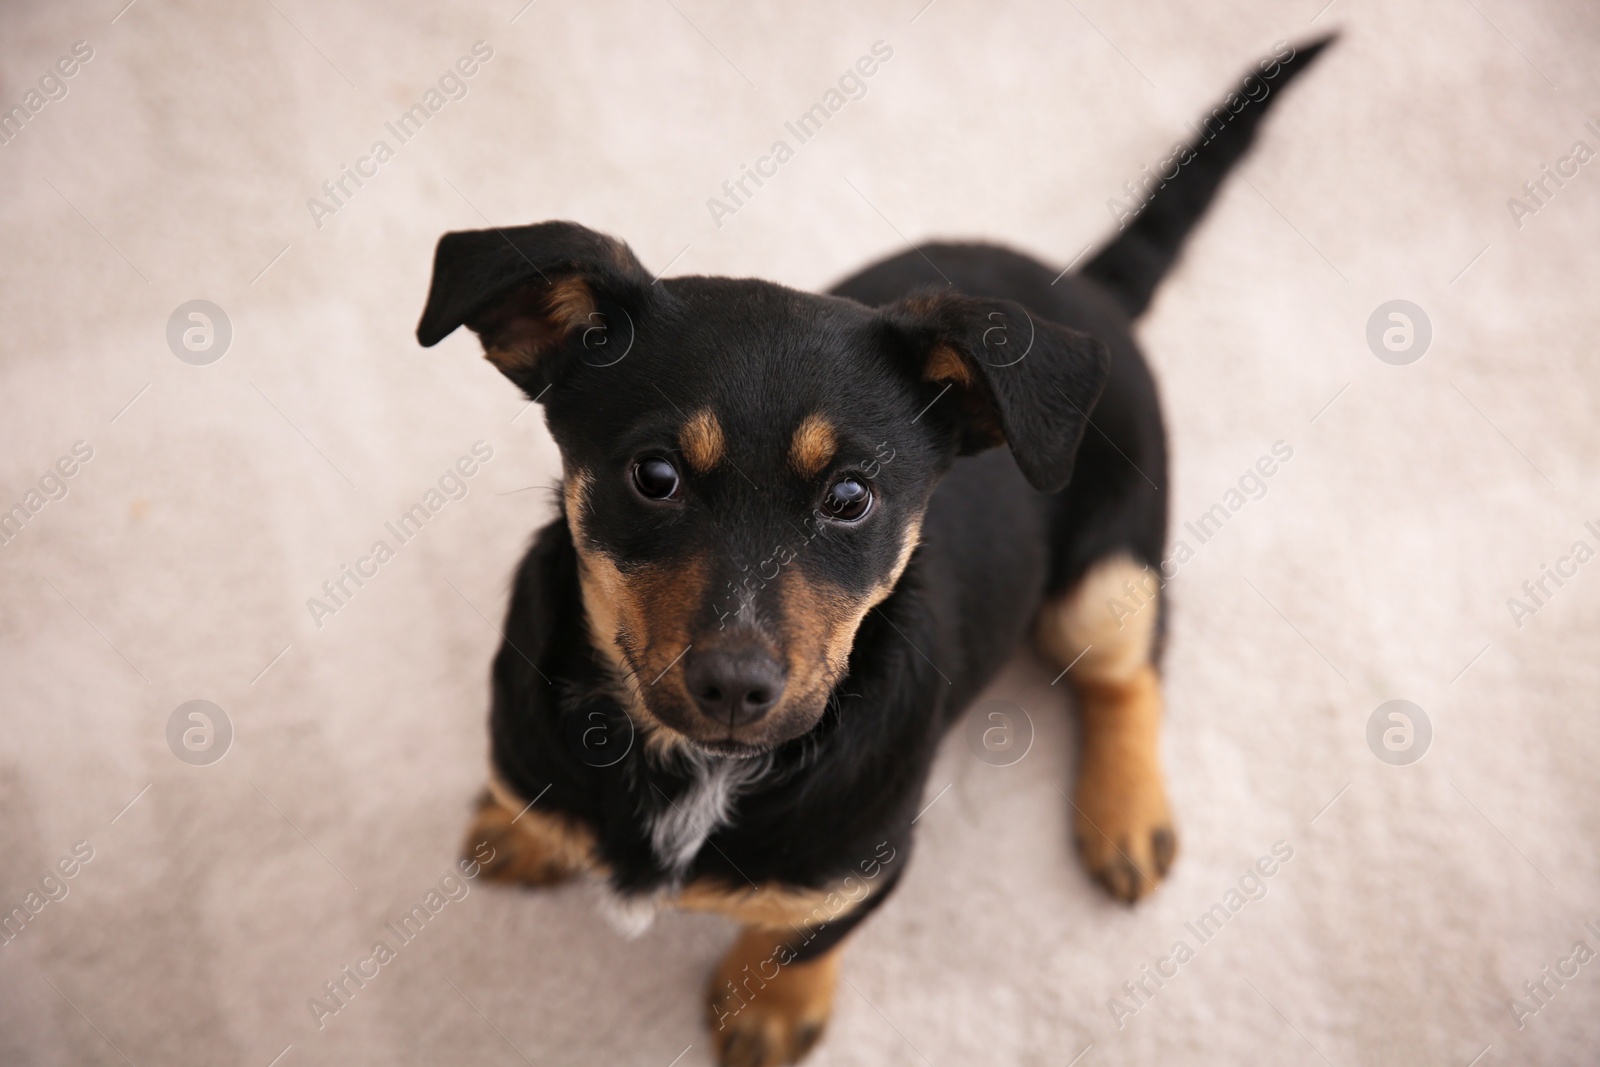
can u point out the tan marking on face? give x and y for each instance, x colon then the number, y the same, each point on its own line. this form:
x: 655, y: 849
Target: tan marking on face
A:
x: 1111, y: 613
x: 821, y: 624
x: 813, y: 446
x: 597, y: 576
x: 701, y: 440
x: 530, y: 332
x: 640, y: 620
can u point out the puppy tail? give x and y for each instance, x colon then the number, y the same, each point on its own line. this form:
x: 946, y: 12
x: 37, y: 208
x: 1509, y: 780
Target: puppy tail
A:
x: 1133, y: 264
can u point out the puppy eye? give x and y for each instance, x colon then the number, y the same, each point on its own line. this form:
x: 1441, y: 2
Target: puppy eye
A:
x: 656, y: 479
x: 848, y: 499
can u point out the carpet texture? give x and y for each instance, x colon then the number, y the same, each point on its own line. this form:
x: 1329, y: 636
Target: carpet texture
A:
x: 209, y: 499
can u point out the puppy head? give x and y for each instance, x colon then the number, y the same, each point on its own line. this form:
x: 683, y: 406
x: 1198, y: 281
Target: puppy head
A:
x: 746, y: 466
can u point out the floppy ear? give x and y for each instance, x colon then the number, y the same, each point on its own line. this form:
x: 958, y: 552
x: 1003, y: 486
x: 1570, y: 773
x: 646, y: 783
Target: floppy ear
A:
x: 532, y: 293
x: 1006, y: 377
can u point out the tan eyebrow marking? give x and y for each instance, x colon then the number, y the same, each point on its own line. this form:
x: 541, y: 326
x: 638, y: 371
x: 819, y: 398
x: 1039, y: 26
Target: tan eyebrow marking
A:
x: 701, y: 440
x: 813, y: 446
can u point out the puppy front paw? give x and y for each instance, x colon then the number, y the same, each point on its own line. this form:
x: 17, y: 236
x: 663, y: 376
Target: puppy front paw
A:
x: 1124, y: 829
x: 763, y: 1013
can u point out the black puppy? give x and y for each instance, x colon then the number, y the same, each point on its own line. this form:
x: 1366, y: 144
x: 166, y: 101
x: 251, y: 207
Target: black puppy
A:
x: 790, y: 553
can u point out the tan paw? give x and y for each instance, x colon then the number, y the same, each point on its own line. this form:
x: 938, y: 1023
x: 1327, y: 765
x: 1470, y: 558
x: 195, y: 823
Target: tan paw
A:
x: 1121, y: 820
x: 1123, y: 827
x: 1120, y: 816
x: 532, y: 848
x: 764, y: 1014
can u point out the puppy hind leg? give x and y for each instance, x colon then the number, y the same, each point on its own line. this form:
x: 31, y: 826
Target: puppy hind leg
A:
x: 531, y: 847
x: 1105, y: 629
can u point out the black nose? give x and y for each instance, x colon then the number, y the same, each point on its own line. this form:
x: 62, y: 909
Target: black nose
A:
x: 736, y: 685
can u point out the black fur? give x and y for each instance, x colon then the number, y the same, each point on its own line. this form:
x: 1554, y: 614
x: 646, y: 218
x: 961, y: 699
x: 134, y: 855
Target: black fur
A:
x: 1133, y: 265
x: 843, y: 781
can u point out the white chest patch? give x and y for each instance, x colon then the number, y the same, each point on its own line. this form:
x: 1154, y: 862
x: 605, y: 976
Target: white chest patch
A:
x: 679, y: 830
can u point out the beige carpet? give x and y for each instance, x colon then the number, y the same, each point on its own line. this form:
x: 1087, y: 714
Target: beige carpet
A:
x: 175, y: 562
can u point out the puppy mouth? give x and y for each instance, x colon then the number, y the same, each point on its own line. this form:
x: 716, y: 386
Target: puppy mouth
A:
x: 716, y: 739
x: 727, y: 746
x: 691, y: 728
